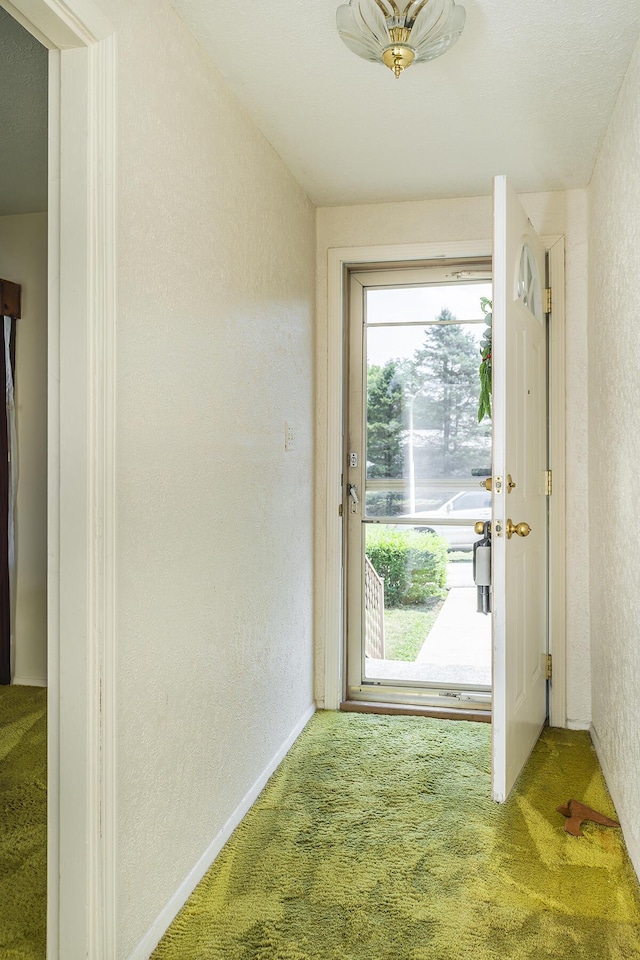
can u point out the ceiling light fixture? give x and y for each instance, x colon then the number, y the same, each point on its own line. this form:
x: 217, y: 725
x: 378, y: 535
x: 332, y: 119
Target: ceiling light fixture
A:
x: 400, y: 33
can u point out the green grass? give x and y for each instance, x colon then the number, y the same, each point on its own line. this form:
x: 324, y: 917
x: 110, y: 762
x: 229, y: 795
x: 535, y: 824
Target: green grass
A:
x: 407, y: 628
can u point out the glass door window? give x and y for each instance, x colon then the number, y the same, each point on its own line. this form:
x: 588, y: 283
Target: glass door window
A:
x: 422, y: 455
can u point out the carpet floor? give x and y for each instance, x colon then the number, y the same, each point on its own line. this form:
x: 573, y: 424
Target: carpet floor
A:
x: 376, y: 840
x: 23, y: 823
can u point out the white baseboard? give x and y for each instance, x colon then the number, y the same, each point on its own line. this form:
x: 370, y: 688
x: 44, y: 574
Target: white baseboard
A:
x: 153, y: 936
x: 633, y: 849
x: 29, y: 682
x: 579, y: 725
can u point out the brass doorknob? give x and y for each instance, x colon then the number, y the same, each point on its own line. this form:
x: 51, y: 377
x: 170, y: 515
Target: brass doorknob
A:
x: 522, y: 529
x: 479, y: 527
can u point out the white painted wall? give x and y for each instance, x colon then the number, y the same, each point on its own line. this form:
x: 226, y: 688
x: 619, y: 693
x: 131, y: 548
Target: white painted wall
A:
x: 214, y: 555
x: 614, y: 442
x: 23, y: 259
x: 471, y: 219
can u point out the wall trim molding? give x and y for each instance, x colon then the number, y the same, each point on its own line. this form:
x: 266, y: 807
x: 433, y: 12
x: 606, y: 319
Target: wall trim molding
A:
x: 29, y: 681
x: 152, y: 937
x: 102, y: 491
x: 633, y: 848
x: 557, y: 464
x: 61, y: 24
x: 81, y: 500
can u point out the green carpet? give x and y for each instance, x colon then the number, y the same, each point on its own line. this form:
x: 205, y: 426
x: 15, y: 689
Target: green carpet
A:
x: 23, y: 823
x: 376, y: 840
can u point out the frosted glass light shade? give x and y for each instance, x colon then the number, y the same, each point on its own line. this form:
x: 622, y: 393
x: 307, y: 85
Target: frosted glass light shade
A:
x: 399, y: 33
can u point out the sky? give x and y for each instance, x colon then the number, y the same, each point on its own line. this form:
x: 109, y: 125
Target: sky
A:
x: 400, y: 305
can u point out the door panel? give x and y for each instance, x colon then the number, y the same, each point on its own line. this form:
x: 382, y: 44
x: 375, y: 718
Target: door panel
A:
x: 519, y: 444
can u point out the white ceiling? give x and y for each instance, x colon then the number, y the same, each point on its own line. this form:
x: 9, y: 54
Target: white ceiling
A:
x: 527, y: 91
x: 23, y: 120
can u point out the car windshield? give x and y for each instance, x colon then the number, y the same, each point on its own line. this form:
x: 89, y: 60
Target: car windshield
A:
x: 472, y: 500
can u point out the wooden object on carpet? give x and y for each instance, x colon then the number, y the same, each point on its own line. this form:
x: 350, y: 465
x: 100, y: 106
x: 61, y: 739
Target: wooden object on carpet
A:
x: 577, y: 812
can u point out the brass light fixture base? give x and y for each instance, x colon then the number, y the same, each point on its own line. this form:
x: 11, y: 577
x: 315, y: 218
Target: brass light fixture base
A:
x: 398, y: 58
x: 398, y: 33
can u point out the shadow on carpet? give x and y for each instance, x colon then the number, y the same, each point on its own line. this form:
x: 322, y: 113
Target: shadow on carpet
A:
x: 23, y: 823
x: 376, y: 840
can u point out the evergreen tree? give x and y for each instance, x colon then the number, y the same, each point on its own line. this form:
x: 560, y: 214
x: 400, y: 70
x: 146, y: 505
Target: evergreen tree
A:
x: 443, y: 381
x: 438, y: 390
x: 385, y: 398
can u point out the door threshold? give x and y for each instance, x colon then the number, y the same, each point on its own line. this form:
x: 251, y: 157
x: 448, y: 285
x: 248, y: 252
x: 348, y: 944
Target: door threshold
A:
x: 415, y: 710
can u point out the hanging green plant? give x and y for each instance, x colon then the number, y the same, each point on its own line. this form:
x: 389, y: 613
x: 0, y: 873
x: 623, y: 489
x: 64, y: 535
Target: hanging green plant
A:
x: 484, y: 404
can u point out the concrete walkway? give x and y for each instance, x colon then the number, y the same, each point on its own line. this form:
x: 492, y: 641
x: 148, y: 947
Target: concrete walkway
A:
x: 458, y: 648
x: 460, y: 640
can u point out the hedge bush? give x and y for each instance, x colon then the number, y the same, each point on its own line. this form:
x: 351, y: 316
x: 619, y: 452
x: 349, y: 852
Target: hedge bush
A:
x: 413, y: 563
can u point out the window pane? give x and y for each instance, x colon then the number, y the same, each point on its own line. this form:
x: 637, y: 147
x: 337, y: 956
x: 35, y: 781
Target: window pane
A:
x: 424, y: 444
x: 420, y: 616
x: 421, y: 304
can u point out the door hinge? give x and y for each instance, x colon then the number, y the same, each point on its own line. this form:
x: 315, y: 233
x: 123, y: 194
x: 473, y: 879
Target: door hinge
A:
x: 340, y: 510
x: 548, y: 667
x: 548, y: 488
x: 547, y: 300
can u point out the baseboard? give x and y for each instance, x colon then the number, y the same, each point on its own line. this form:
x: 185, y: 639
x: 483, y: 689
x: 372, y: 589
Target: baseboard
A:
x: 633, y: 848
x: 579, y: 725
x: 153, y: 936
x: 29, y: 682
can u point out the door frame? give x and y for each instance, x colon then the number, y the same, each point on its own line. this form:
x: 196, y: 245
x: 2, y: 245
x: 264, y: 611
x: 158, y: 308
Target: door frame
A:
x: 329, y: 538
x: 81, y: 490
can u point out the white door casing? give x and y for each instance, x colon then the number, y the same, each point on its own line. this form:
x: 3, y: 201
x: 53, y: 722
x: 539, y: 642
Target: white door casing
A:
x: 81, y: 475
x: 520, y: 623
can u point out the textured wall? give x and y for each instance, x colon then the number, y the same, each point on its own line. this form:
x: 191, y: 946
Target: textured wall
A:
x: 23, y: 259
x: 471, y: 219
x: 215, y: 352
x: 614, y: 416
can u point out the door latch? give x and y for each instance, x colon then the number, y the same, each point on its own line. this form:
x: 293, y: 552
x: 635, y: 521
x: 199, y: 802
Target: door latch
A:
x: 522, y: 529
x: 354, y: 499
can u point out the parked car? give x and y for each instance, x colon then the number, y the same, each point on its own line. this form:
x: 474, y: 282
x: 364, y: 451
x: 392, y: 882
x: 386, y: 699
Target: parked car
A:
x: 466, y: 507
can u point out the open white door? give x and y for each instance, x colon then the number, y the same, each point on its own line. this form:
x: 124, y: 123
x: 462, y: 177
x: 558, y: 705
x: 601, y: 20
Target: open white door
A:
x: 519, y: 470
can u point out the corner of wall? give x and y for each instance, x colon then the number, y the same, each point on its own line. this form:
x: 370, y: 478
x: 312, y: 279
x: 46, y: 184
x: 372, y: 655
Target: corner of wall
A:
x: 613, y: 396
x: 619, y: 802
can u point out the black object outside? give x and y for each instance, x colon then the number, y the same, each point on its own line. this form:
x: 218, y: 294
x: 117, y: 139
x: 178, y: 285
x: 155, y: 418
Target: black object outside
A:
x: 482, y: 569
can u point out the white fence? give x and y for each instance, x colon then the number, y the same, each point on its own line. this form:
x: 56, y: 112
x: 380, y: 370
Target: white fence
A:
x: 373, y: 612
